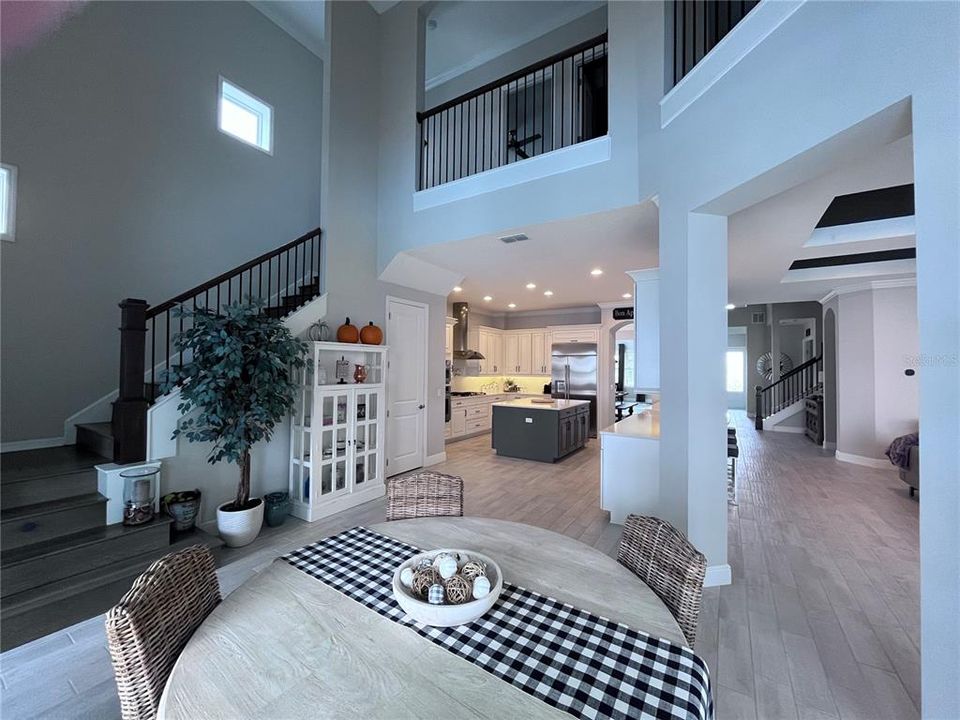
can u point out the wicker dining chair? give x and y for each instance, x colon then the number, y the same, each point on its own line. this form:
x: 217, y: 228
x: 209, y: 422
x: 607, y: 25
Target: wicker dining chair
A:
x: 148, y: 629
x: 664, y: 559
x: 424, y: 494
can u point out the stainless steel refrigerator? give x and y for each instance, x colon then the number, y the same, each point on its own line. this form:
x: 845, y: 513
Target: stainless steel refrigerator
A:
x: 574, y: 375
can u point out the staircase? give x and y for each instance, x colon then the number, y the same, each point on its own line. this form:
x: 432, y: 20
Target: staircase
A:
x: 60, y: 562
x: 782, y: 399
x: 284, y: 279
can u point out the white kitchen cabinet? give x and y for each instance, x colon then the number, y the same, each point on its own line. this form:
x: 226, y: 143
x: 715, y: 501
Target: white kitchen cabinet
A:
x: 540, y: 342
x: 576, y: 333
x: 525, y: 353
x: 448, y: 338
x: 518, y: 353
x: 336, y: 440
x: 458, y: 421
x: 490, y: 345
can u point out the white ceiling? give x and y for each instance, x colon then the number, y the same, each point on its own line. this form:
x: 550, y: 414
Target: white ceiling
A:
x: 558, y: 256
x: 469, y: 33
x: 766, y: 238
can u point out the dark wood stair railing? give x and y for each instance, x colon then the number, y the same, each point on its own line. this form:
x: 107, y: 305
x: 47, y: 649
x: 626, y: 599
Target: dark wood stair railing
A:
x: 797, y: 384
x: 284, y: 279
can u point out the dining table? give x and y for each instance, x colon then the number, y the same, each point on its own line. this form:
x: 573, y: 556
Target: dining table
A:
x: 286, y: 645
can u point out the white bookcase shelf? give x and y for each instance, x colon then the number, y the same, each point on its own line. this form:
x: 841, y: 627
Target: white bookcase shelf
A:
x: 337, y: 434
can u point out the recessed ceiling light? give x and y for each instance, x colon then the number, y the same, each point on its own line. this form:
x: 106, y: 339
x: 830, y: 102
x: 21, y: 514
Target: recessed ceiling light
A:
x: 487, y: 298
x: 531, y: 286
x: 548, y: 293
x: 512, y: 305
x: 458, y: 289
x: 596, y: 271
x: 730, y: 306
x: 626, y: 296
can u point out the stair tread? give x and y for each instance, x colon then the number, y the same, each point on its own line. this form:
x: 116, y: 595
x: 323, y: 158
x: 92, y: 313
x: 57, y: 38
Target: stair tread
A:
x: 45, y: 508
x: 53, y: 546
x: 100, y: 428
x: 91, y: 579
x: 63, y: 460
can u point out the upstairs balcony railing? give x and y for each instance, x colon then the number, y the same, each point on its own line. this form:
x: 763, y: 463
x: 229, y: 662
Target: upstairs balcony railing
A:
x: 698, y: 25
x: 551, y: 104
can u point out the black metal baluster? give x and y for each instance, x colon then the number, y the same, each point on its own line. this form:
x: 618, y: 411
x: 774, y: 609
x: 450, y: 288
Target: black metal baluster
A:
x: 153, y: 353
x: 563, y: 100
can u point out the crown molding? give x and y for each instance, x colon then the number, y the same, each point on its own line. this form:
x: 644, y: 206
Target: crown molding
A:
x: 868, y: 286
x: 649, y: 275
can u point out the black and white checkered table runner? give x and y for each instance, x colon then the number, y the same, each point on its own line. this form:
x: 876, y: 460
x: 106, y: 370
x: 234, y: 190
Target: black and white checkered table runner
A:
x: 578, y: 662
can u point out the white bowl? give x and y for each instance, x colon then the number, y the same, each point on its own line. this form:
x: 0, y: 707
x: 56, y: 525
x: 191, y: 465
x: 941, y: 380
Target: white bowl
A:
x: 447, y: 615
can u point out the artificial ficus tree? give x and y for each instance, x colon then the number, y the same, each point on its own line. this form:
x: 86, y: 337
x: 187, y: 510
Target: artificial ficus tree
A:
x: 235, y: 383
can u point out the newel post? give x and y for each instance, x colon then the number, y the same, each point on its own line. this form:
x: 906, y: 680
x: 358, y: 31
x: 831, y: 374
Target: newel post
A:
x: 758, y: 409
x: 130, y: 409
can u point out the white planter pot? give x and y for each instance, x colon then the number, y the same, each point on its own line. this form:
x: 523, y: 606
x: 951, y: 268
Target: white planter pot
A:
x: 240, y: 527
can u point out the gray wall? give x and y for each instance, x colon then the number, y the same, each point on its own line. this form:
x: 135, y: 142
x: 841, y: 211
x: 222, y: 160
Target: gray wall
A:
x: 127, y: 188
x: 577, y: 31
x: 573, y: 316
x: 350, y: 199
x: 516, y: 321
x: 758, y: 342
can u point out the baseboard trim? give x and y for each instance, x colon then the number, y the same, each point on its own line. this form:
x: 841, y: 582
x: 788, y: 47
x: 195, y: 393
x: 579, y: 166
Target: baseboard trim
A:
x: 877, y: 463
x: 718, y: 575
x: 788, y: 429
x: 440, y: 457
x: 37, y: 444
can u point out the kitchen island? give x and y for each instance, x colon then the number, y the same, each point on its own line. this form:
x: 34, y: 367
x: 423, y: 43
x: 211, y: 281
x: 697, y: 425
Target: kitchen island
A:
x: 630, y: 466
x: 543, y: 431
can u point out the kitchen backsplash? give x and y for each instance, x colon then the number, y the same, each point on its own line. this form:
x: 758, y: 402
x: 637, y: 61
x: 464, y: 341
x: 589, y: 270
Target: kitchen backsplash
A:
x: 532, y: 384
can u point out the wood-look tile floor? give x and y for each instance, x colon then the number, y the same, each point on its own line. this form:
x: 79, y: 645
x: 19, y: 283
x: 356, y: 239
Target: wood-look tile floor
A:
x: 822, y: 620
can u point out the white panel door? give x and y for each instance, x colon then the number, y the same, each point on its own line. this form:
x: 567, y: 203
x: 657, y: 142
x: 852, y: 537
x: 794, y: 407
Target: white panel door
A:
x: 406, y: 385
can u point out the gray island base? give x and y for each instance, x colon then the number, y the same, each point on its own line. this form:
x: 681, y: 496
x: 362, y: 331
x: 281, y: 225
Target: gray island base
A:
x: 536, y: 431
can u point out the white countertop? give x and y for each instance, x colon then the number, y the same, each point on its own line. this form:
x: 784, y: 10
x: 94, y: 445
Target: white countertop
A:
x: 644, y: 424
x: 528, y: 404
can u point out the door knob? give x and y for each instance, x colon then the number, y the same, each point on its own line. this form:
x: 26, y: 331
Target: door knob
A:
x: 421, y: 407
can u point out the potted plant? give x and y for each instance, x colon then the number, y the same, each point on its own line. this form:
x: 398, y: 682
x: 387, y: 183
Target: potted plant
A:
x: 234, y: 389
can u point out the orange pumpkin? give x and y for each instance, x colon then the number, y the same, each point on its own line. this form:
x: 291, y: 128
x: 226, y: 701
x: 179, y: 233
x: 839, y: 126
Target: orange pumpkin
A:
x: 371, y: 334
x: 348, y: 333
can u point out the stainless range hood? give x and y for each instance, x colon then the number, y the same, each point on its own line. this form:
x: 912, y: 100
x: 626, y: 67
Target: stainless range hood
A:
x: 461, y: 311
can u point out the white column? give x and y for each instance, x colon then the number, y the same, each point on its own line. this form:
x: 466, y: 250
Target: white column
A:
x: 936, y: 125
x: 693, y: 327
x: 646, y: 323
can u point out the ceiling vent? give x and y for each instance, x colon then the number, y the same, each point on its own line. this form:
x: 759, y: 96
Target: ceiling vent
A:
x: 519, y: 237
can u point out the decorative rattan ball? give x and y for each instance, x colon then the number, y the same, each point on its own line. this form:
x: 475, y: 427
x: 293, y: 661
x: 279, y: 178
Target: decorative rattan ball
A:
x: 473, y: 569
x: 422, y: 580
x: 458, y: 589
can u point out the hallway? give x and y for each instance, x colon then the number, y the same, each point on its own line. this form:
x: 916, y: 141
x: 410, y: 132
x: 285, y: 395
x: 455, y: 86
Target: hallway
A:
x: 823, y: 618
x: 821, y: 621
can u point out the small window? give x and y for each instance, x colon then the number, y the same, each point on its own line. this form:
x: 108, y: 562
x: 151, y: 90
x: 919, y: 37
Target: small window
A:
x: 245, y: 117
x: 8, y: 202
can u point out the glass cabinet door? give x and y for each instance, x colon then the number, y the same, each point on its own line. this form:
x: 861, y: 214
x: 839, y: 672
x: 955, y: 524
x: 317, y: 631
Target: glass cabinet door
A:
x: 333, y: 425
x: 367, y: 441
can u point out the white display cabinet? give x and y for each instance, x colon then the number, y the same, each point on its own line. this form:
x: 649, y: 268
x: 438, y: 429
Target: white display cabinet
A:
x: 337, y: 430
